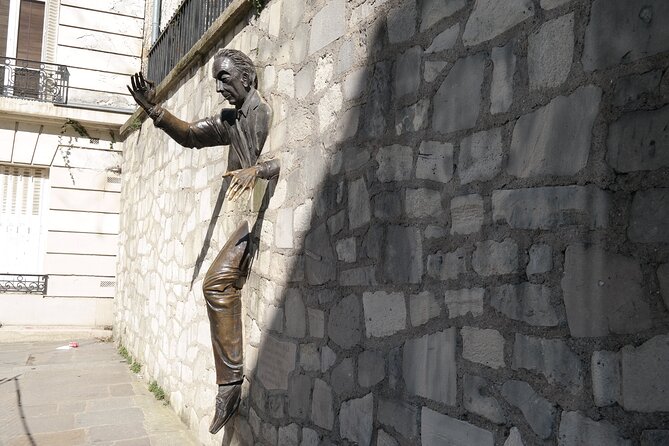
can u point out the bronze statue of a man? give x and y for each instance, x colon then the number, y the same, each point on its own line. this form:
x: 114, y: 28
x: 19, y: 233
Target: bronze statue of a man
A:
x: 244, y: 128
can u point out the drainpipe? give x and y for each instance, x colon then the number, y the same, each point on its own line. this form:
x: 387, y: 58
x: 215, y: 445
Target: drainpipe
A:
x: 155, y: 25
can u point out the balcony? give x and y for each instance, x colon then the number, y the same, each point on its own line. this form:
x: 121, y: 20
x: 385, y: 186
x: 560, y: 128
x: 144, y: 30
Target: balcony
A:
x: 39, y: 81
x: 23, y: 283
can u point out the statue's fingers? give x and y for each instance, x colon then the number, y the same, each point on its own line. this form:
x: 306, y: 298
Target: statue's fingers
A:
x: 133, y: 82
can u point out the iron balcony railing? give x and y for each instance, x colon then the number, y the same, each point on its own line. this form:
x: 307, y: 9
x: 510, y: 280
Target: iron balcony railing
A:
x: 189, y: 23
x: 39, y: 81
x: 23, y: 283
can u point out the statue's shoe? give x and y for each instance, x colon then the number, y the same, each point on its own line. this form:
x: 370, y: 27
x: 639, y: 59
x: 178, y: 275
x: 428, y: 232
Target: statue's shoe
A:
x: 227, y: 402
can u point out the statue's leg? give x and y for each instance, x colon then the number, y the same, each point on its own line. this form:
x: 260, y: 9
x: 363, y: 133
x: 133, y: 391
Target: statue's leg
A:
x: 222, y: 291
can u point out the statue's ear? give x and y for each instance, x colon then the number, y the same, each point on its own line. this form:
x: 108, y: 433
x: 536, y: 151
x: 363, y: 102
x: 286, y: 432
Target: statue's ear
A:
x: 246, y: 81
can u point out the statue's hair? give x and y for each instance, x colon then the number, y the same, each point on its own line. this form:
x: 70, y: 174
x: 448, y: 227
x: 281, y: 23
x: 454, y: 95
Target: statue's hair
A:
x: 241, y: 61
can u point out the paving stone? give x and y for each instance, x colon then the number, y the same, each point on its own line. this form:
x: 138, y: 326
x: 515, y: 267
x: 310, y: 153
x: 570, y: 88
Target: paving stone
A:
x: 538, y: 411
x: 663, y: 279
x: 501, y: 87
x: 400, y: 416
x: 639, y: 141
x: 466, y: 214
x: 632, y: 88
x: 476, y: 399
x: 402, y: 22
x: 423, y: 202
x: 447, y: 266
x: 322, y: 413
x: 289, y: 435
x: 432, y: 69
x: 552, y: 207
x: 423, y: 307
x: 395, y: 163
x: 429, y: 367
x: 355, y: 420
x: 446, y: 40
x: 541, y: 259
x: 412, y: 118
x: 296, y: 316
x: 299, y: 397
x: 649, y: 215
x: 385, y: 313
x: 383, y: 439
x: 480, y: 156
x: 606, y: 377
x: 655, y: 437
x: 343, y: 376
x: 555, y: 139
x: 437, y: 430
x: 490, y: 18
x: 457, y: 103
x: 435, y: 161
x: 403, y: 255
x: 645, y: 387
x: 602, y: 293
x: 463, y: 301
x: 550, y: 53
x: 620, y: 32
x: 514, y: 438
x: 493, y: 258
x: 344, y: 322
x: 552, y: 358
x: 483, y: 346
x: 407, y: 72
x: 319, y: 261
x: 328, y: 25
x: 435, y: 10
x: 551, y: 4
x: 527, y: 302
x: 371, y: 368
x: 577, y: 429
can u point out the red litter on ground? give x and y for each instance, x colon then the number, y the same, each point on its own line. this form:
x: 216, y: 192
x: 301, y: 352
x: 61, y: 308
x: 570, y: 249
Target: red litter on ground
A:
x: 74, y: 344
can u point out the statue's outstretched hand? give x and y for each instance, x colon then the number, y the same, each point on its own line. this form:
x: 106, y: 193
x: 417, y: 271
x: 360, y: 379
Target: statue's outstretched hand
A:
x: 242, y: 180
x: 142, y: 91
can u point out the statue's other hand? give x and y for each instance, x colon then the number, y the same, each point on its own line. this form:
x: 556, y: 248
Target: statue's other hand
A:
x: 242, y: 180
x: 142, y: 91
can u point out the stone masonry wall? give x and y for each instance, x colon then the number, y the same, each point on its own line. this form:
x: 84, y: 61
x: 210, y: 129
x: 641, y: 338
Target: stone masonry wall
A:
x: 467, y: 244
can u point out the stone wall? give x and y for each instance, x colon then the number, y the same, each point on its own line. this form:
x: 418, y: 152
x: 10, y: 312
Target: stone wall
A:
x: 466, y: 244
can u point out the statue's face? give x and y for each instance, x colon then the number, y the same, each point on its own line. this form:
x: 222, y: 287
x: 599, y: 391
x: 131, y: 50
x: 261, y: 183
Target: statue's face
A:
x: 230, y: 81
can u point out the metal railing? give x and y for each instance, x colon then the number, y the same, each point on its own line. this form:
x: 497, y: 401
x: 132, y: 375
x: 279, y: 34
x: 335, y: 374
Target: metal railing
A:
x: 39, y: 81
x: 23, y: 283
x: 189, y: 23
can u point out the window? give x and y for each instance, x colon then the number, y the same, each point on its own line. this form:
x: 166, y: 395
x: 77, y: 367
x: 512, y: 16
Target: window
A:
x: 22, y: 206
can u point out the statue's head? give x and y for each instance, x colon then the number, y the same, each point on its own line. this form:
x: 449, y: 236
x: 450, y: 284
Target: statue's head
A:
x: 235, y: 75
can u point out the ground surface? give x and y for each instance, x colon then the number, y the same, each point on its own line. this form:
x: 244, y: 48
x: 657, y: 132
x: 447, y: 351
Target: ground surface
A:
x: 82, y: 396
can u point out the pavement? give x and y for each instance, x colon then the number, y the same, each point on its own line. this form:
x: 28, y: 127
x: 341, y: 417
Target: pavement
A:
x: 79, y: 396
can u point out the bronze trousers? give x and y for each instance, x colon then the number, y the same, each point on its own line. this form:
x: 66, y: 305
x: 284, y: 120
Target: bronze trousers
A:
x: 222, y: 291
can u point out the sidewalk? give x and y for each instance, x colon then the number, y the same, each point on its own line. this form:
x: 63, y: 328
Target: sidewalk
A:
x: 79, y: 396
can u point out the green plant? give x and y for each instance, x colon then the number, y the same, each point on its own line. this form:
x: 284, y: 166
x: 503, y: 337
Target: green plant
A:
x: 136, y: 124
x: 124, y: 353
x: 157, y: 391
x: 136, y: 367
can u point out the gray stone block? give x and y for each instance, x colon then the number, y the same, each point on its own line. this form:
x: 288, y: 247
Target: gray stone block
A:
x: 310, y: 358
x: 466, y: 214
x: 400, y: 416
x: 289, y: 435
x: 359, y: 212
x: 299, y: 397
x: 527, y: 302
x: 463, y: 301
x: 371, y: 368
x: 577, y: 429
x: 606, y: 377
x: 649, y: 216
x: 346, y: 249
x: 457, y: 103
x: 429, y: 367
x: 435, y: 161
x: 663, y: 279
x: 322, y: 413
x: 435, y: 10
x: 552, y: 358
x: 538, y: 411
x: 343, y: 376
x: 402, y: 22
x: 639, y: 141
x: 422, y: 308
x: 501, y: 87
x: 433, y: 69
x: 319, y: 259
x: 541, y: 259
x: 344, y: 322
x: 275, y: 362
x: 439, y: 430
x: 379, y: 102
x: 363, y: 276
x: 632, y: 88
x: 493, y: 258
x: 476, y: 399
x: 423, y: 202
x: 445, y: 40
x: 655, y: 437
x: 490, y: 18
x: 316, y: 323
x: 480, y: 156
x: 412, y: 118
x: 550, y: 53
x: 395, y: 163
x: 447, y: 266
x: 645, y: 385
x: 328, y: 25
x: 387, y: 206
x: 296, y: 316
x: 269, y: 433
x: 620, y: 31
x: 483, y: 346
x: 555, y: 139
x: 552, y: 207
x: 407, y: 72
x: 514, y: 438
x: 355, y: 420
x: 603, y: 293
x: 384, y: 439
x: 385, y: 313
x: 403, y: 260
x: 551, y: 4
x: 310, y: 437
